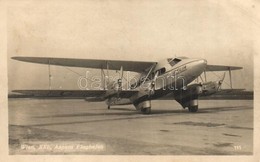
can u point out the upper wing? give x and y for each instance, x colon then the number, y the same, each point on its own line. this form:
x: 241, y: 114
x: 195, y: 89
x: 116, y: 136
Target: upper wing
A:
x: 71, y: 93
x: 221, y: 68
x: 136, y: 66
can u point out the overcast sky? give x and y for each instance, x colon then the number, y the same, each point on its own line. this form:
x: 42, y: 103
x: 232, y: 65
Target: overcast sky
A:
x: 223, y: 32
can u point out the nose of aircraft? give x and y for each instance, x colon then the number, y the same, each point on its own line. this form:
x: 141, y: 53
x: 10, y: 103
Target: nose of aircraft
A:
x: 203, y: 61
x: 201, y: 64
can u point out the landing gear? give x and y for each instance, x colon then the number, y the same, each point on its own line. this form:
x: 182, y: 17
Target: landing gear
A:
x: 192, y: 104
x: 193, y: 108
x: 108, y: 107
x: 146, y: 110
x: 144, y: 106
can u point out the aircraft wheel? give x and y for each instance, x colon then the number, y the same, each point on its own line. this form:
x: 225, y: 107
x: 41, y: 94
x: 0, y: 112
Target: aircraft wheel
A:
x: 146, y: 110
x: 193, y: 108
x: 108, y: 107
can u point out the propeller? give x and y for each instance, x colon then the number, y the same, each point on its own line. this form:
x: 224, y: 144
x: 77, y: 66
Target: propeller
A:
x: 152, y: 85
x: 221, y: 81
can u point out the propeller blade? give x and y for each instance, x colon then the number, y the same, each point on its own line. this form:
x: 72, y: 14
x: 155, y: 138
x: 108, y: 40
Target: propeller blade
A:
x: 154, y: 79
x: 221, y: 81
x: 152, y: 86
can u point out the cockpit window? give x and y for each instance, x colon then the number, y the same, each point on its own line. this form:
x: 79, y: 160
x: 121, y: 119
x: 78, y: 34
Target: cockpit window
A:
x: 174, y: 61
x: 182, y: 57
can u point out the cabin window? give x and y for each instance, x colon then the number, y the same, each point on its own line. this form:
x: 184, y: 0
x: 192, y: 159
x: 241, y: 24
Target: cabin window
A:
x: 160, y: 71
x: 173, y: 62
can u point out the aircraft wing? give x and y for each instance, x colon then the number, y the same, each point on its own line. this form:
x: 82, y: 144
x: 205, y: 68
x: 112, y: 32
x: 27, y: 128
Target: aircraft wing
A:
x: 221, y: 68
x: 230, y: 94
x: 135, y: 66
x: 223, y: 94
x: 71, y: 94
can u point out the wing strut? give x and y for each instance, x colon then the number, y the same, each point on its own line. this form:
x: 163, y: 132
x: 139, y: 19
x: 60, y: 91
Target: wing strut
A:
x: 103, y: 79
x: 149, y: 73
x: 230, y: 77
x: 201, y: 78
x: 49, y: 69
x: 205, y: 75
x: 107, y: 69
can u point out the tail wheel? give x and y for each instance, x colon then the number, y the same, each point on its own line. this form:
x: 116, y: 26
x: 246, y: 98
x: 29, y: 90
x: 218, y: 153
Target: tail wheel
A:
x: 146, y: 110
x: 193, y: 108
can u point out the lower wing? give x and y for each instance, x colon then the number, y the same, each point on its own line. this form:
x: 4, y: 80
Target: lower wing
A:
x: 71, y: 94
x: 230, y: 94
x: 223, y: 94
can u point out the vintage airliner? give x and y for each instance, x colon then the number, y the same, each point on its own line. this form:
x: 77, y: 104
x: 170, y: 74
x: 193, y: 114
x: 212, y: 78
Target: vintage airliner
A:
x: 170, y: 78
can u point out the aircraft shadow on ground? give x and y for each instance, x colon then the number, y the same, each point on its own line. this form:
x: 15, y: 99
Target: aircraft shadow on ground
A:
x: 105, y: 113
x: 125, y: 111
x: 134, y: 115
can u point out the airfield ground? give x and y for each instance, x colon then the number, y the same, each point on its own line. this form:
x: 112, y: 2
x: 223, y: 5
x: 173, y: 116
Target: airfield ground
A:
x: 78, y: 127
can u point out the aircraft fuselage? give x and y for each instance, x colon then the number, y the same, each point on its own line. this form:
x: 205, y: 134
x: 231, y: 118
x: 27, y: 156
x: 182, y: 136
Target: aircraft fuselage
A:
x: 171, y: 77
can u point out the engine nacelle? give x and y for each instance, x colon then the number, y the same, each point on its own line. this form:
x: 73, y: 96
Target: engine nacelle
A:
x: 210, y: 88
x: 204, y: 89
x: 189, y: 97
x: 192, y: 91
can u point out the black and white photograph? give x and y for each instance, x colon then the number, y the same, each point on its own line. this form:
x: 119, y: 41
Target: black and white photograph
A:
x: 111, y: 77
